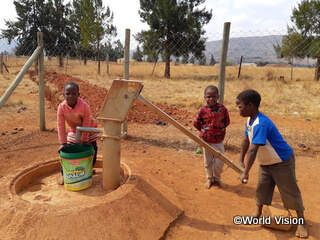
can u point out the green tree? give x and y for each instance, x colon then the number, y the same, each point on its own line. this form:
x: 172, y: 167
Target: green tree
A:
x: 192, y: 59
x: 152, y: 56
x: 293, y: 46
x: 50, y: 17
x: 95, y: 24
x: 261, y: 63
x: 184, y: 59
x: 115, y: 50
x: 212, y: 61
x: 118, y: 49
x: 203, y: 61
x: 303, y: 39
x: 278, y: 49
x: 26, y: 27
x: 137, y: 55
x: 62, y: 34
x: 176, y: 28
x: 75, y: 17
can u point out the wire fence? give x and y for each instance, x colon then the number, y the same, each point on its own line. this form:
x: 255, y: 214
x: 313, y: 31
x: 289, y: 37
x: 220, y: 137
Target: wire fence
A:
x: 251, y: 55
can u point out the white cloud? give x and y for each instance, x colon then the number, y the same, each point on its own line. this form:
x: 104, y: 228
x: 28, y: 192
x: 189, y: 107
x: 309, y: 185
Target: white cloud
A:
x: 126, y: 16
x: 254, y: 3
x: 243, y: 14
x: 7, y: 12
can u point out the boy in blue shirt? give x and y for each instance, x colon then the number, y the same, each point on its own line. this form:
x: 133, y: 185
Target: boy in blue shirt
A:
x: 276, y: 160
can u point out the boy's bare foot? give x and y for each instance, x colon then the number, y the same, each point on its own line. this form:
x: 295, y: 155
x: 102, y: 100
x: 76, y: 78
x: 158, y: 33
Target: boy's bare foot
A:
x: 258, y: 211
x: 208, y: 184
x: 61, y: 181
x: 220, y: 184
x: 302, y: 231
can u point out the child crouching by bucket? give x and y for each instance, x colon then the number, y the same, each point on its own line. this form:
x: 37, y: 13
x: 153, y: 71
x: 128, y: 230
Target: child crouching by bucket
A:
x: 76, y: 112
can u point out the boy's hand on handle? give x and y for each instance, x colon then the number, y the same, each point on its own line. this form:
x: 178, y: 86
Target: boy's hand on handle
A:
x: 244, y: 178
x: 62, y: 147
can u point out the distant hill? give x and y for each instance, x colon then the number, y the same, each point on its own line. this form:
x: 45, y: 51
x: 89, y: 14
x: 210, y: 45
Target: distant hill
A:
x: 253, y: 49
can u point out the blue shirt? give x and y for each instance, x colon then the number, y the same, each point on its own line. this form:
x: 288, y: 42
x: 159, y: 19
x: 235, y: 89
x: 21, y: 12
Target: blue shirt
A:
x: 273, y: 148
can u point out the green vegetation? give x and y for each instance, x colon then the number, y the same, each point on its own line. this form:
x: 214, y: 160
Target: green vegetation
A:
x: 303, y: 38
x: 76, y: 29
x: 176, y: 28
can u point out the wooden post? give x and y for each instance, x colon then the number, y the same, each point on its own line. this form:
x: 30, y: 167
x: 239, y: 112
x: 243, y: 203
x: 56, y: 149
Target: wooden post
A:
x: 126, y: 70
x: 223, y: 60
x: 1, y: 63
x: 239, y: 72
x: 41, y: 82
x: 67, y: 60
x: 126, y: 55
x: 19, y: 77
x: 108, y: 64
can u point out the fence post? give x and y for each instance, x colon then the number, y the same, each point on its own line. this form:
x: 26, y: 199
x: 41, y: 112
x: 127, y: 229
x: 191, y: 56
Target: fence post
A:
x: 19, y: 77
x: 1, y: 63
x: 126, y: 55
x: 223, y: 60
x: 239, y: 72
x: 41, y: 82
x: 126, y: 69
x: 108, y: 64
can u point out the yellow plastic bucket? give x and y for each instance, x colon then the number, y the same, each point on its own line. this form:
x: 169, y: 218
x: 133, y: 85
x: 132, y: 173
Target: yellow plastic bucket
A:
x: 76, y: 162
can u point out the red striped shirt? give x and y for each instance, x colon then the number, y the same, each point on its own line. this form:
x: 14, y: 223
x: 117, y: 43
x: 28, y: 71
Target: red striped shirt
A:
x: 212, y: 122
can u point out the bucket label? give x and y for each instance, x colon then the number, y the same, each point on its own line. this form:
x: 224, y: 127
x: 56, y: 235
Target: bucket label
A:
x: 76, y: 170
x: 75, y: 162
x: 75, y: 175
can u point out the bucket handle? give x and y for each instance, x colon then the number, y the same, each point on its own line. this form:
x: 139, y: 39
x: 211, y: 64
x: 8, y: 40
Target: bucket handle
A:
x: 76, y: 171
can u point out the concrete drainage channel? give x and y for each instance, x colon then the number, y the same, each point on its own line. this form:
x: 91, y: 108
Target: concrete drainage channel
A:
x: 143, y: 204
x: 38, y: 184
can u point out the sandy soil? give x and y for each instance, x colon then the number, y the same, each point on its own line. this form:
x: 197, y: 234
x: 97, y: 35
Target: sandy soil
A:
x: 162, y: 195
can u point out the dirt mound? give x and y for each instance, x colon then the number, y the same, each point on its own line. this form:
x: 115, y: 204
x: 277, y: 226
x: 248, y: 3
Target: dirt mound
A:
x: 95, y: 95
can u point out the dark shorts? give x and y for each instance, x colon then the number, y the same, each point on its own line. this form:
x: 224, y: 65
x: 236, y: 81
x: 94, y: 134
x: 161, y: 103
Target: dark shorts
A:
x: 283, y: 175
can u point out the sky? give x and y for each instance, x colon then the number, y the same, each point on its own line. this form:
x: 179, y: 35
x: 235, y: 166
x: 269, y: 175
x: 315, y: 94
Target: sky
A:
x: 244, y: 15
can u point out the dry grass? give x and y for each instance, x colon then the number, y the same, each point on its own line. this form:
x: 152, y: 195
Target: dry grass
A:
x: 295, y: 98
x: 13, y: 103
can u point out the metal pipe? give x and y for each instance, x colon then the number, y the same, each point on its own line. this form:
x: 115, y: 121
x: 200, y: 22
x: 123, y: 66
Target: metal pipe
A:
x: 111, y: 155
x: 79, y: 130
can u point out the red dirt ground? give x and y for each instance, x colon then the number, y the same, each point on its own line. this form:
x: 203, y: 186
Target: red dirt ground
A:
x: 165, y: 198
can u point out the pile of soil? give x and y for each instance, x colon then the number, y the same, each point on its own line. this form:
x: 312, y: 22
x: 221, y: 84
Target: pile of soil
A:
x: 95, y: 95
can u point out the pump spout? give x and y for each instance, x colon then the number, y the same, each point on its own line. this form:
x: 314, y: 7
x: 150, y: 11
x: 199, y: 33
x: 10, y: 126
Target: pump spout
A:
x: 79, y: 130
